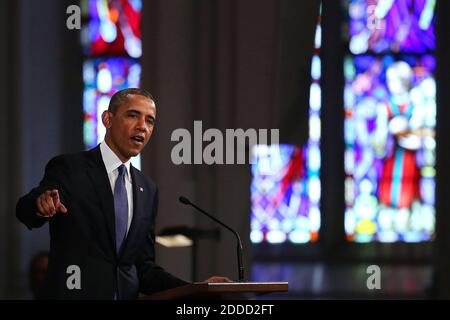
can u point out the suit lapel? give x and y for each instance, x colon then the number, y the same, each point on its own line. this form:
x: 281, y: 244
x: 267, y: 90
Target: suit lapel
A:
x: 97, y: 172
x: 140, y: 193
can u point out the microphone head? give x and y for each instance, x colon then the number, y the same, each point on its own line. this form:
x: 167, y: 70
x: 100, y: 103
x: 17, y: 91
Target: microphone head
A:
x: 184, y: 200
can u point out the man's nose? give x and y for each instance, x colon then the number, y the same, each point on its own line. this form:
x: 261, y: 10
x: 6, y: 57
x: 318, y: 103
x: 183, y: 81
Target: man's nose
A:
x: 141, y: 124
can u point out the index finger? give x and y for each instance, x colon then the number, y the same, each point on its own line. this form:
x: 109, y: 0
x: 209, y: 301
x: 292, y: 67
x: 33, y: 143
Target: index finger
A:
x: 54, y: 194
x: 59, y: 206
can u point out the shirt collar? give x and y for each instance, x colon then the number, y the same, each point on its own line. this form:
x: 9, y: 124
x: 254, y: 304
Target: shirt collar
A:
x: 111, y: 160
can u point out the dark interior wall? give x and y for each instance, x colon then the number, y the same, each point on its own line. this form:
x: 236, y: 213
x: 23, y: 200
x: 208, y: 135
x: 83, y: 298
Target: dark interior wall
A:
x: 40, y: 98
x: 296, y: 31
x: 168, y: 66
x: 332, y: 125
x: 40, y: 92
x: 441, y: 287
x: 230, y: 64
x: 9, y: 134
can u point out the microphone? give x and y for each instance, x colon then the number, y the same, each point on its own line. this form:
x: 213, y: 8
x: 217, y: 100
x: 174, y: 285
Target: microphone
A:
x: 186, y: 201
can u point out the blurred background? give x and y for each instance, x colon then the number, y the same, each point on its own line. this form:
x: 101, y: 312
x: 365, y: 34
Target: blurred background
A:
x: 357, y: 88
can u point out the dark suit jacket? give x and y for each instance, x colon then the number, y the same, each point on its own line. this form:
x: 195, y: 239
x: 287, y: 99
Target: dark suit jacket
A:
x: 85, y: 236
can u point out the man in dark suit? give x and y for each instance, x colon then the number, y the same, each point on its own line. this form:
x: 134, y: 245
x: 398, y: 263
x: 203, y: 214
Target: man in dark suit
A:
x: 101, y: 212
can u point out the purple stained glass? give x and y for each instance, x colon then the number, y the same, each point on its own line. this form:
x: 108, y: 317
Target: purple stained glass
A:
x: 390, y: 148
x: 112, y: 28
x: 391, y: 26
x: 281, y: 204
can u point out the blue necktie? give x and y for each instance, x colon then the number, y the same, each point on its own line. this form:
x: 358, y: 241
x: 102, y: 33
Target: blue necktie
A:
x: 121, y: 208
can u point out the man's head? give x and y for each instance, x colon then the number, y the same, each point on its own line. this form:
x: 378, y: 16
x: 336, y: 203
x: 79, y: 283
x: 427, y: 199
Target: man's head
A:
x: 129, y: 122
x: 38, y: 269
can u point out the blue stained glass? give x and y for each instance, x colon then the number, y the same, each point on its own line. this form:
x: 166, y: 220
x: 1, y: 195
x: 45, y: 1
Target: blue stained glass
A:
x: 391, y: 144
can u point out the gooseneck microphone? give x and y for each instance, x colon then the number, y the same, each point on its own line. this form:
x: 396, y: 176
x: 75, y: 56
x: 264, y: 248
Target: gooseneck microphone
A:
x: 186, y: 201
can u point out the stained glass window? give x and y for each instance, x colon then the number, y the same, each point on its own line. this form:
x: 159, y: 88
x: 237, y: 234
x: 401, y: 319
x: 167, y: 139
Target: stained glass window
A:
x: 113, y: 28
x: 285, y: 187
x: 390, y: 116
x: 391, y: 26
x: 111, y: 38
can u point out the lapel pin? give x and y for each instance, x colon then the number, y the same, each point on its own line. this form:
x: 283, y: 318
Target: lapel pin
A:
x: 141, y: 189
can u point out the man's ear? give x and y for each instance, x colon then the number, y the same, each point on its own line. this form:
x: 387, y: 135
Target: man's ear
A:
x: 107, y: 118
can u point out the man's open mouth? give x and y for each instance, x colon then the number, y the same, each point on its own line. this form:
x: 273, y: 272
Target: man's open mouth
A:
x: 138, y: 139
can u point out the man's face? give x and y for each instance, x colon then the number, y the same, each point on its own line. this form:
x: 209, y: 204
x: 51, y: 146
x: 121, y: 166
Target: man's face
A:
x: 130, y: 127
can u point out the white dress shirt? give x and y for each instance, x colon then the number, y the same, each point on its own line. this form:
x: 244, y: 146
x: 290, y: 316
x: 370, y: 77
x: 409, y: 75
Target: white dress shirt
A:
x: 112, y: 163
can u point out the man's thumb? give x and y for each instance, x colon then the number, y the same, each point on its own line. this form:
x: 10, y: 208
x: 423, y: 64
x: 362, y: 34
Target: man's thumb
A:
x: 62, y: 208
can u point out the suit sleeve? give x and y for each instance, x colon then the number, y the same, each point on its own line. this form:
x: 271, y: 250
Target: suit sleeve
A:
x: 153, y: 278
x: 54, y: 177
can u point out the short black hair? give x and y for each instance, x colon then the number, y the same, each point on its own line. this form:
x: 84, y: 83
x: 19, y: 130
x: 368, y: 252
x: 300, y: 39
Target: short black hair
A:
x: 122, y: 95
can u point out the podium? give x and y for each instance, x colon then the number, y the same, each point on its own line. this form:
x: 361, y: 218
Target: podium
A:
x: 219, y: 291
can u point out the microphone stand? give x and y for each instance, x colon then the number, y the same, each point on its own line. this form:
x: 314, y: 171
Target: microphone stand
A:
x: 239, y: 243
